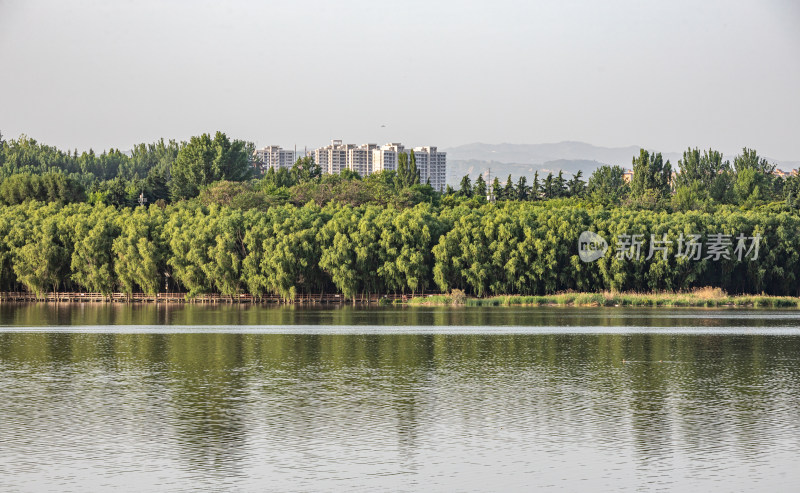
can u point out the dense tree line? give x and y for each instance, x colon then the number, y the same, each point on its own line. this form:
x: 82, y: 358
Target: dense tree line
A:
x: 160, y: 171
x: 701, y: 180
x: 512, y: 247
x: 68, y: 222
x: 218, y: 168
x: 49, y: 187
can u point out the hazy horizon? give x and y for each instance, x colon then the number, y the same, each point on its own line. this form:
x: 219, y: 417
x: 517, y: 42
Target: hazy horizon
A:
x: 88, y: 74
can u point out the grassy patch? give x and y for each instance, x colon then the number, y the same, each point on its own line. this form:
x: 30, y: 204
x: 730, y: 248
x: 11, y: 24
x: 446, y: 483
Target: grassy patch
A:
x: 703, y: 297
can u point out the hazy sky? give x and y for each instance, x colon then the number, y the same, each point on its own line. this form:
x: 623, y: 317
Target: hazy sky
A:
x: 664, y: 75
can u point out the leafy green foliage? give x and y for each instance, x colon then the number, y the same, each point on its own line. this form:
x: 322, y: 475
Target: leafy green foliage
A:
x: 465, y: 189
x: 607, y: 185
x: 479, y: 188
x: 204, y: 160
x: 526, y: 248
x: 237, y: 195
x: 305, y: 170
x: 407, y: 173
x: 652, y: 177
x: 49, y: 187
x: 297, y: 231
x: 93, y: 233
x: 139, y: 252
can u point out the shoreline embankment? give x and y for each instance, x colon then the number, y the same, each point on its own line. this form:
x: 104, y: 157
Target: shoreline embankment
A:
x: 704, y: 297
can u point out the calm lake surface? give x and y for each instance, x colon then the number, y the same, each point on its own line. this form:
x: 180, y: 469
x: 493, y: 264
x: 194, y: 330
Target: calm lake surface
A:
x: 186, y: 398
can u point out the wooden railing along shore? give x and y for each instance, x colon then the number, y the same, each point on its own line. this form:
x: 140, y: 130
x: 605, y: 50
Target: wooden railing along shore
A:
x: 58, y: 297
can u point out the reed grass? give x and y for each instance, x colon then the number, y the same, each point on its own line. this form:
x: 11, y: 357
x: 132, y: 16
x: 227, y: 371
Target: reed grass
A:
x: 702, y: 297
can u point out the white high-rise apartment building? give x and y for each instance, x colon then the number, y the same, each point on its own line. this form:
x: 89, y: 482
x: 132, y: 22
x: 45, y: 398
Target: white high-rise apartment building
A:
x: 275, y: 157
x: 371, y: 158
x: 385, y: 157
x: 335, y: 157
x: 359, y: 159
x: 332, y: 158
x: 432, y: 166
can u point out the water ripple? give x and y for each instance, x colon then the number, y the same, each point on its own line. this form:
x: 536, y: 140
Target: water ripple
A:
x: 251, y: 411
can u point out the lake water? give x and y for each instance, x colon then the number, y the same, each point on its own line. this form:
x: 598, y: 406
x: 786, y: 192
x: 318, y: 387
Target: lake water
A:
x: 186, y: 398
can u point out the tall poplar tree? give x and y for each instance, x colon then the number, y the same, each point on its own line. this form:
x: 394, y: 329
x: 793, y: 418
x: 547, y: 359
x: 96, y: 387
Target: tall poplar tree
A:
x: 651, y: 176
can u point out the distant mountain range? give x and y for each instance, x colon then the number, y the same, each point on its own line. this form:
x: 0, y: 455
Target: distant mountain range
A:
x: 525, y: 159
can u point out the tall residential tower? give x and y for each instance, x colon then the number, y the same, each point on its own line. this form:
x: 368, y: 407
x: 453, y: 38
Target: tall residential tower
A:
x: 274, y: 157
x: 371, y: 158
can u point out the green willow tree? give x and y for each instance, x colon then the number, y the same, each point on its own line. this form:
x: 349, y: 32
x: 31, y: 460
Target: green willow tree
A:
x: 42, y: 262
x: 92, y: 262
x: 509, y: 247
x: 188, y: 235
x: 139, y: 253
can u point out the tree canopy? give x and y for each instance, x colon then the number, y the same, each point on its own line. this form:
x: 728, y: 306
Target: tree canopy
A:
x: 204, y: 160
x: 502, y: 248
x: 73, y: 221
